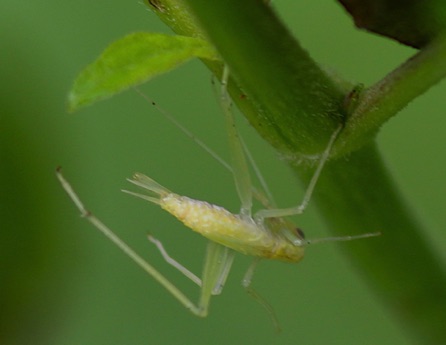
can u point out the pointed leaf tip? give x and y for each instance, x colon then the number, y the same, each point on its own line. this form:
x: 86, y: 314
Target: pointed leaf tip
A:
x: 133, y: 60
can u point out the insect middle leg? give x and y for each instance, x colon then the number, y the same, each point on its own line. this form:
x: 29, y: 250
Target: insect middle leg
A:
x: 223, y: 256
x: 171, y: 261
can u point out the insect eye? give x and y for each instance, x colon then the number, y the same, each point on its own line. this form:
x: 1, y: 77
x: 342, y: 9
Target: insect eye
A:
x: 300, y: 233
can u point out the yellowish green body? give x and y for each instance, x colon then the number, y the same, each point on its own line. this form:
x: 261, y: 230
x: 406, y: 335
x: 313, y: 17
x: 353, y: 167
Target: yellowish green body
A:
x: 267, y: 234
x: 237, y: 232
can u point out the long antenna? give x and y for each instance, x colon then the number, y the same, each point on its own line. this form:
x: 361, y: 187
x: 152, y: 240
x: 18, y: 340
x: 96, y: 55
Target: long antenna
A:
x: 186, y: 131
x: 267, y: 202
x: 342, y: 238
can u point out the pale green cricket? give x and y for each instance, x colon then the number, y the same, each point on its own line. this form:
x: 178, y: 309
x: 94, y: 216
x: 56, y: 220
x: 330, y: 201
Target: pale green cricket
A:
x: 263, y: 235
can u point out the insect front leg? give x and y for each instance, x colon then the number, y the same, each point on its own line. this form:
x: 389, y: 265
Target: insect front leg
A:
x: 285, y: 212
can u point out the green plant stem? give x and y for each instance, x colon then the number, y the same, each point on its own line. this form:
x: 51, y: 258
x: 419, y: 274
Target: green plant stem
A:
x: 358, y: 196
x: 298, y: 107
x: 177, y: 15
x: 386, y: 98
x: 275, y: 73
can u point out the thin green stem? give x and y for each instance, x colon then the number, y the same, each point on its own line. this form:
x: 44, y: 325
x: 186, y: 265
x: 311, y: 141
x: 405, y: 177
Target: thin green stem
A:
x: 386, y: 98
x: 177, y: 15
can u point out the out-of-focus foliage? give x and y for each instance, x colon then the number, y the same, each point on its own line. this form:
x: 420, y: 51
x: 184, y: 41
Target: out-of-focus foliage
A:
x: 413, y: 22
x: 62, y: 283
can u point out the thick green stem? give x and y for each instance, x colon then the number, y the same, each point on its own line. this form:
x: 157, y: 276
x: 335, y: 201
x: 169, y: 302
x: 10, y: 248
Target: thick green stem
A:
x: 296, y: 107
x: 358, y: 196
x: 299, y: 106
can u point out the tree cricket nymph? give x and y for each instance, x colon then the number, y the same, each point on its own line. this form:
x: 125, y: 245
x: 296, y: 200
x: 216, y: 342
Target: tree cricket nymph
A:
x: 266, y: 234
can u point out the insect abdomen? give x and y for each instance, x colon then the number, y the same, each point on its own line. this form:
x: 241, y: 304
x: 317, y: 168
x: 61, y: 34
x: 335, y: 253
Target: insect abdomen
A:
x: 208, y: 219
x: 221, y: 226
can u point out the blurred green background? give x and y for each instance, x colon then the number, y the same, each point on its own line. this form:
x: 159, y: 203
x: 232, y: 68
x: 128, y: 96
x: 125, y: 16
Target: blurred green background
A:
x: 63, y: 283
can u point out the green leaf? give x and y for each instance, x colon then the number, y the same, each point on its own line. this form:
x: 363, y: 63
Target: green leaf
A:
x: 133, y: 60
